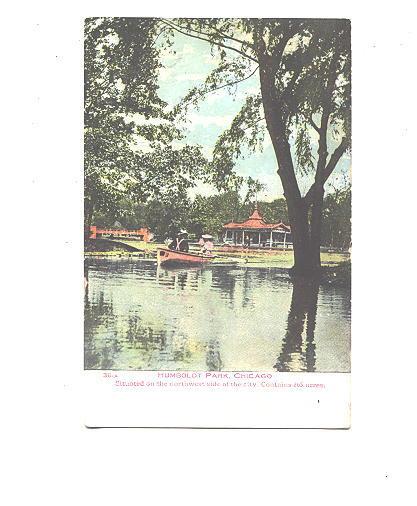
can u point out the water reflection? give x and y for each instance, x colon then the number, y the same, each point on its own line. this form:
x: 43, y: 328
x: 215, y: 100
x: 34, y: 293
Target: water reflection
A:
x: 140, y: 336
x: 297, y: 353
x: 224, y: 281
x: 138, y: 316
x: 99, y: 353
x: 213, y: 359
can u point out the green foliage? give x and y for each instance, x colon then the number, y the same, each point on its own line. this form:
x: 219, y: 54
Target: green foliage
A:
x: 164, y: 217
x: 209, y: 214
x: 310, y: 63
x: 245, y: 135
x: 227, y: 75
x: 120, y: 68
x: 128, y: 136
x: 202, y: 215
x: 274, y: 211
x: 169, y: 172
x: 303, y: 150
x: 337, y: 218
x: 254, y: 187
x: 315, y: 86
x: 119, y: 61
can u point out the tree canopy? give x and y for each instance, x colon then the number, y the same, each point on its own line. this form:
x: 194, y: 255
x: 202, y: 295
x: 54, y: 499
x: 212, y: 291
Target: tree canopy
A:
x: 129, y: 147
x: 309, y: 62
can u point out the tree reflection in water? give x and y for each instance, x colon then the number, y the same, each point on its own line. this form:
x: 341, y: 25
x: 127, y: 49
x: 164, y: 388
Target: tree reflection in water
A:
x: 141, y: 317
x: 99, y: 353
x: 224, y: 281
x: 297, y: 355
x: 213, y: 359
x: 141, y: 337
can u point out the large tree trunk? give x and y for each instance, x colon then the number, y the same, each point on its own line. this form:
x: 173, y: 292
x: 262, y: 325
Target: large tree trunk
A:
x: 306, y: 232
x: 306, y: 245
x: 315, y: 228
x: 300, y: 231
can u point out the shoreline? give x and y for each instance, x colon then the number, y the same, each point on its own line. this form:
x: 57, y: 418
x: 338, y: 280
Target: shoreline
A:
x: 333, y: 273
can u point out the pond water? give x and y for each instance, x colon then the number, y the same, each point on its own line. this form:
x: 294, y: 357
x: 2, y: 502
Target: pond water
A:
x: 232, y: 318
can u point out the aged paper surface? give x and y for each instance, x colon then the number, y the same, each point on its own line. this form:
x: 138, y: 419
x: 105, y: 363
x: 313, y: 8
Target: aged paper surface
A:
x: 217, y: 222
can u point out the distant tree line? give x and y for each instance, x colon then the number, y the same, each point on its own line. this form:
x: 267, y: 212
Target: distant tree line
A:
x: 336, y: 231
x: 209, y: 214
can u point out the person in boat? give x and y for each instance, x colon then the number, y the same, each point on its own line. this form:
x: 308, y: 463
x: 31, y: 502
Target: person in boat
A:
x: 206, y: 243
x: 180, y: 243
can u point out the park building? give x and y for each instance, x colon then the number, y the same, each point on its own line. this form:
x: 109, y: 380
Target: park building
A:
x: 255, y: 233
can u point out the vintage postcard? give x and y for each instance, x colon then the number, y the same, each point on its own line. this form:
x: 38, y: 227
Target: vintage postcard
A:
x: 217, y: 222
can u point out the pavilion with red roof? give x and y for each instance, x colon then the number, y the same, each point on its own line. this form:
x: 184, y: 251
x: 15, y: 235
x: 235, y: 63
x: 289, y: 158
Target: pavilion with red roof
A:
x: 256, y: 233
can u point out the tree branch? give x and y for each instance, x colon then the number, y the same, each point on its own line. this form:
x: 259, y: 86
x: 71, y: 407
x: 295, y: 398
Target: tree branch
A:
x: 230, y: 84
x: 322, y: 150
x: 337, y: 153
x: 313, y: 124
x: 226, y: 36
x: 159, y: 34
x: 253, y: 124
x: 186, y: 31
x: 290, y: 87
x: 279, y: 49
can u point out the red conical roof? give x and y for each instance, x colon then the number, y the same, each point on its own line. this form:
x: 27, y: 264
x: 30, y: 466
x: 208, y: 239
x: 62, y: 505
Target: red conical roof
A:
x: 256, y: 221
x: 256, y: 215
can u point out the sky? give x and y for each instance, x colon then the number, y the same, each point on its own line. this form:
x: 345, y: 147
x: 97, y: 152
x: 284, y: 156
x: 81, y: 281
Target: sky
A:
x: 188, y: 67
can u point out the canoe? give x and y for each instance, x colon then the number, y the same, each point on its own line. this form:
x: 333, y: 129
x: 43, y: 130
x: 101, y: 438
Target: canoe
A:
x: 172, y: 257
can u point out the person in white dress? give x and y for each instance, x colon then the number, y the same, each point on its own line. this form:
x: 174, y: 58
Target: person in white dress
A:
x: 206, y: 243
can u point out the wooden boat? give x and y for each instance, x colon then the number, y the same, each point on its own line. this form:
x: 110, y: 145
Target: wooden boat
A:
x: 173, y: 257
